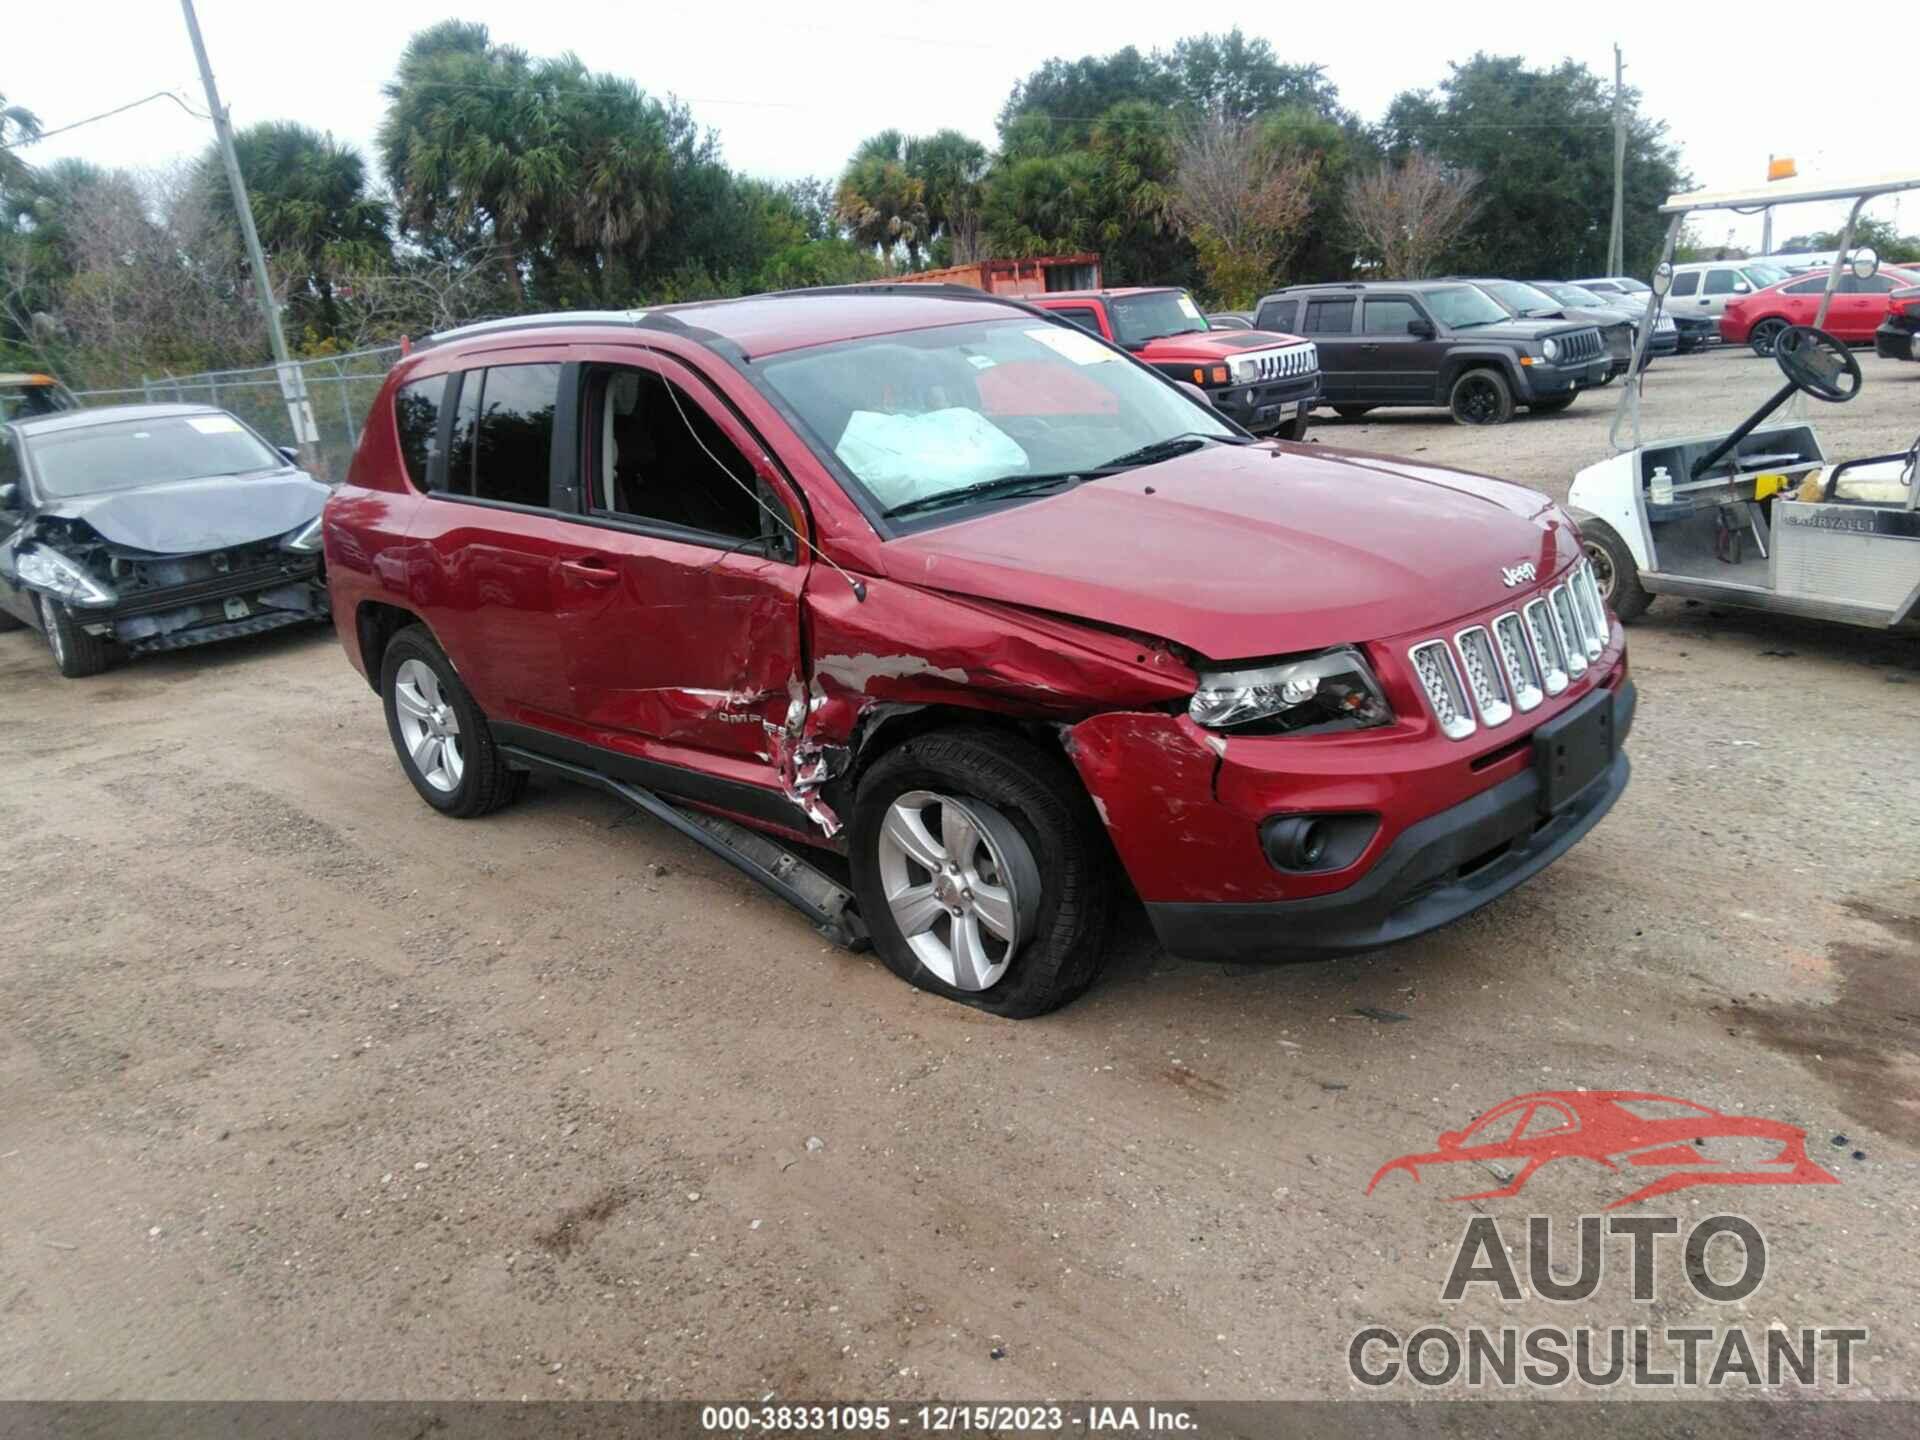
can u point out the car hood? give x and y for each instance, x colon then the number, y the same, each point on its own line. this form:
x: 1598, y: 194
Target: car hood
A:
x: 1518, y: 329
x: 1214, y: 344
x: 1582, y: 315
x: 186, y: 517
x: 1238, y: 552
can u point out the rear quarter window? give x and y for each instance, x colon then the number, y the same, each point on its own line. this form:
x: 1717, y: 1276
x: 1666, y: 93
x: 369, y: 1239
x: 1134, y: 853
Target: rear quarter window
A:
x: 416, y: 415
x: 1329, y: 317
x: 1278, y: 315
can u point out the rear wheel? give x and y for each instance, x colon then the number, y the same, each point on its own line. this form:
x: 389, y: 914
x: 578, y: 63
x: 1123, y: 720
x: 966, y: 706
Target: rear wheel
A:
x: 1763, y: 335
x: 1614, y: 570
x: 77, y: 653
x: 1351, y: 412
x: 444, y: 742
x: 1481, y: 397
x: 982, y: 871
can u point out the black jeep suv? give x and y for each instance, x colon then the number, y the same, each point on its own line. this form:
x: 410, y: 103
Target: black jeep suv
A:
x: 1435, y: 342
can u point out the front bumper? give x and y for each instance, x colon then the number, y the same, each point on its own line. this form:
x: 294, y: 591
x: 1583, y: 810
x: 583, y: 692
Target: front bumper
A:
x: 1262, y: 409
x: 1694, y: 331
x: 1543, y: 381
x: 203, y: 611
x: 1435, y: 872
x: 1895, y: 340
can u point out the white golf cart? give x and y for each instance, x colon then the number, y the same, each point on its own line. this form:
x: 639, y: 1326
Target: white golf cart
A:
x: 1760, y: 516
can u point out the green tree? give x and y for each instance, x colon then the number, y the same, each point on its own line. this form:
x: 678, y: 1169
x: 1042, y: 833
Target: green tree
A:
x: 951, y: 167
x: 1043, y: 205
x: 17, y: 124
x: 1542, y: 141
x: 1869, y: 232
x: 880, y: 201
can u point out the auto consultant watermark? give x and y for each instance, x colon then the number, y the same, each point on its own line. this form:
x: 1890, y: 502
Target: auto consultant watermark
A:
x: 1663, y: 1144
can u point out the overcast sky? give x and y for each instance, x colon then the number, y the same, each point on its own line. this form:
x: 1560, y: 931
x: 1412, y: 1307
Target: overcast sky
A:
x: 791, y: 98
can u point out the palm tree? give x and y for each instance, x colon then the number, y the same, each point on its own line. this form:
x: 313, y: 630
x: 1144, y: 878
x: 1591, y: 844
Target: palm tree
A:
x: 621, y: 195
x: 17, y: 125
x: 950, y: 167
x: 881, y: 201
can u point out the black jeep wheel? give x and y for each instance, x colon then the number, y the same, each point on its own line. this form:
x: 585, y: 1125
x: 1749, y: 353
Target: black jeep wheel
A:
x: 1481, y: 397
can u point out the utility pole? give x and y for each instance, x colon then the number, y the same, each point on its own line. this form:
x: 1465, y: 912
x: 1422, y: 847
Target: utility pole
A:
x: 1766, y: 219
x: 293, y: 383
x: 1616, y: 241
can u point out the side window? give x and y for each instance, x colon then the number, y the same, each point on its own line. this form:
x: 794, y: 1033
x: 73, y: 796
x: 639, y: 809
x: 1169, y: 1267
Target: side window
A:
x: 1079, y: 315
x: 1389, y: 317
x: 1277, y: 315
x: 1329, y: 317
x: 466, y: 415
x: 1813, y: 285
x: 1874, y: 285
x: 654, y: 453
x: 513, y: 440
x: 1687, y: 282
x: 416, y: 414
x: 1721, y: 282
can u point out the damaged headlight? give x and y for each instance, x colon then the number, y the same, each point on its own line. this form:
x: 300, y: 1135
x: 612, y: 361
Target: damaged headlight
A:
x: 1333, y: 690
x: 306, y: 539
x: 49, y: 570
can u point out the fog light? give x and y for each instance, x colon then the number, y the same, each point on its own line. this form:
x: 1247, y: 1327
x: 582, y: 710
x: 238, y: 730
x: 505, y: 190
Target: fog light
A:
x: 1316, y: 842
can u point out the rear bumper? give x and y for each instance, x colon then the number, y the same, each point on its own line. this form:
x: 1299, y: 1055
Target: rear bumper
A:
x: 1436, y: 872
x: 1893, y: 341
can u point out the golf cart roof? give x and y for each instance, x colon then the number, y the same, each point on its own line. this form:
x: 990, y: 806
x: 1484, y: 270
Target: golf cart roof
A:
x: 1789, y: 192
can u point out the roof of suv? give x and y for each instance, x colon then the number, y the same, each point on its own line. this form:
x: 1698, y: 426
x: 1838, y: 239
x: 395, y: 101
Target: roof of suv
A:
x: 772, y: 323
x: 106, y: 415
x: 1115, y: 292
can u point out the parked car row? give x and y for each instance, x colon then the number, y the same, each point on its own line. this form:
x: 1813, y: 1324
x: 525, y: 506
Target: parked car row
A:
x: 1859, y: 308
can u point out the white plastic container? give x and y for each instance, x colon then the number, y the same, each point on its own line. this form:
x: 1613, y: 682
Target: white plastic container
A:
x: 1662, y: 487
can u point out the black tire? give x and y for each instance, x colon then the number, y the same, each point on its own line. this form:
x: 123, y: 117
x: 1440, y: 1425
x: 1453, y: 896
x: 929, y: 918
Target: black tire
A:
x: 77, y: 653
x: 1294, y: 430
x: 486, y: 782
x: 1763, y: 334
x: 1481, y: 397
x: 10, y: 621
x: 1043, y: 799
x: 1615, y: 569
x: 1351, y: 412
x: 1553, y: 406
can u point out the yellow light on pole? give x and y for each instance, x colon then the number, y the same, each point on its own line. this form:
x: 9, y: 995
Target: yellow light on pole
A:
x: 1781, y: 168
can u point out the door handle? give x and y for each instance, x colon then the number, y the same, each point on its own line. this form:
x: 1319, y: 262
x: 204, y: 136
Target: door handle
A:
x: 592, y: 569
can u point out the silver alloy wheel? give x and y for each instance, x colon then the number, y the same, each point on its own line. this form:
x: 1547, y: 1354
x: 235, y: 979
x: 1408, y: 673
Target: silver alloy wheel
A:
x: 51, y: 621
x: 428, y: 725
x: 1602, y: 562
x: 961, y: 884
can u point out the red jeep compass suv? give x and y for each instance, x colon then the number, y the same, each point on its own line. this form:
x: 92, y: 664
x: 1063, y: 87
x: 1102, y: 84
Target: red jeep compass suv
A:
x: 953, y: 588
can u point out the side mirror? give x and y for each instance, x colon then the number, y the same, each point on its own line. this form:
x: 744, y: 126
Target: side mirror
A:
x: 1741, y: 287
x: 1195, y: 393
x: 9, y: 497
x: 1864, y: 263
x: 293, y: 455
x: 1663, y: 278
x: 1422, y: 328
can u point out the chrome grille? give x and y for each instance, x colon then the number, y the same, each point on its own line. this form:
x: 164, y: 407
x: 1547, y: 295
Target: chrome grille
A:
x: 1523, y: 671
x: 1591, y: 614
x: 1546, y: 645
x: 1573, y: 644
x: 1289, y: 363
x: 1484, y: 679
x: 1440, y: 677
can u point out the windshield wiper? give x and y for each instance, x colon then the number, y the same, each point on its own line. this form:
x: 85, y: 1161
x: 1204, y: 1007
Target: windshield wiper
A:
x: 1004, y: 487
x: 1166, y: 449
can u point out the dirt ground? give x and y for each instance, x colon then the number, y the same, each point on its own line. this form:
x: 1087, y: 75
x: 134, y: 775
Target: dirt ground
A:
x: 308, y: 1092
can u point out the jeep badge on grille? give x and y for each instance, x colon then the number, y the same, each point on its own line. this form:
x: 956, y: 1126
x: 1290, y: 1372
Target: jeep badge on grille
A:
x: 1521, y: 574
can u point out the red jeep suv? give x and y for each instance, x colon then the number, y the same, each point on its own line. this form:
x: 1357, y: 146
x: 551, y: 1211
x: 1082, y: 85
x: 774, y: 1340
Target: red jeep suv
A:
x: 955, y: 589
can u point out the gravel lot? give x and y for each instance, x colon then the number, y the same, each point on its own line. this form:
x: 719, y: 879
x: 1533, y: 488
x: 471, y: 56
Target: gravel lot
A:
x: 307, y: 1092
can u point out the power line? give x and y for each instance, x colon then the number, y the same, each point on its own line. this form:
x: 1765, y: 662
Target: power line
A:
x: 106, y: 115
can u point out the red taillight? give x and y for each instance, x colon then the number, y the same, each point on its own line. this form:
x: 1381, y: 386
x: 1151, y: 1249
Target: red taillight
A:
x: 1900, y: 307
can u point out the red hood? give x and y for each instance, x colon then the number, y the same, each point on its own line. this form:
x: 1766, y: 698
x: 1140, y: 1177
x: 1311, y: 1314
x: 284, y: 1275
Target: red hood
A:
x: 1213, y: 344
x: 1254, y: 551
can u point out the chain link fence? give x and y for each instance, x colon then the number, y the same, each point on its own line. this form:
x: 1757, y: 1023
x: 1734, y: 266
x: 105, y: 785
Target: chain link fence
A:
x: 339, y: 388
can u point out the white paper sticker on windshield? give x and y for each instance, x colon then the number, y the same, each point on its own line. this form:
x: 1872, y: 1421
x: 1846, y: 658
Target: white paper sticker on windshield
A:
x: 213, y: 424
x: 980, y: 362
x: 1188, y: 308
x: 1075, y: 344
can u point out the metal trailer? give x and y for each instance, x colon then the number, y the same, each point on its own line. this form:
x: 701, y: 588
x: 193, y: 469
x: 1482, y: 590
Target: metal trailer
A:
x: 1759, y: 516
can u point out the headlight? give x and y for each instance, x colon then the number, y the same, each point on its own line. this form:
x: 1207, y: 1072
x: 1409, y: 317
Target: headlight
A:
x: 306, y: 538
x: 1334, y: 690
x: 1550, y: 348
x: 53, y: 572
x: 1245, y: 371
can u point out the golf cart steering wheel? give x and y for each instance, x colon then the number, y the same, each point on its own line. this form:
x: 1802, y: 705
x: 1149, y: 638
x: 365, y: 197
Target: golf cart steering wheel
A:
x: 1817, y: 363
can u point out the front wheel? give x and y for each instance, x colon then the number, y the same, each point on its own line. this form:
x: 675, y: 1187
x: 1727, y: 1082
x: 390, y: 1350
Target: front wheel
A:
x: 1481, y: 397
x: 982, y: 871
x: 1294, y: 430
x: 77, y: 653
x: 1615, y: 570
x: 1763, y: 336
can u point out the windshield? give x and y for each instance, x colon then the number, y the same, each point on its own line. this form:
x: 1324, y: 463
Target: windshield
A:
x: 1140, y: 318
x: 151, y: 451
x: 32, y: 397
x: 1521, y: 299
x: 1579, y: 295
x: 929, y: 413
x: 1765, y: 275
x: 1461, y: 307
